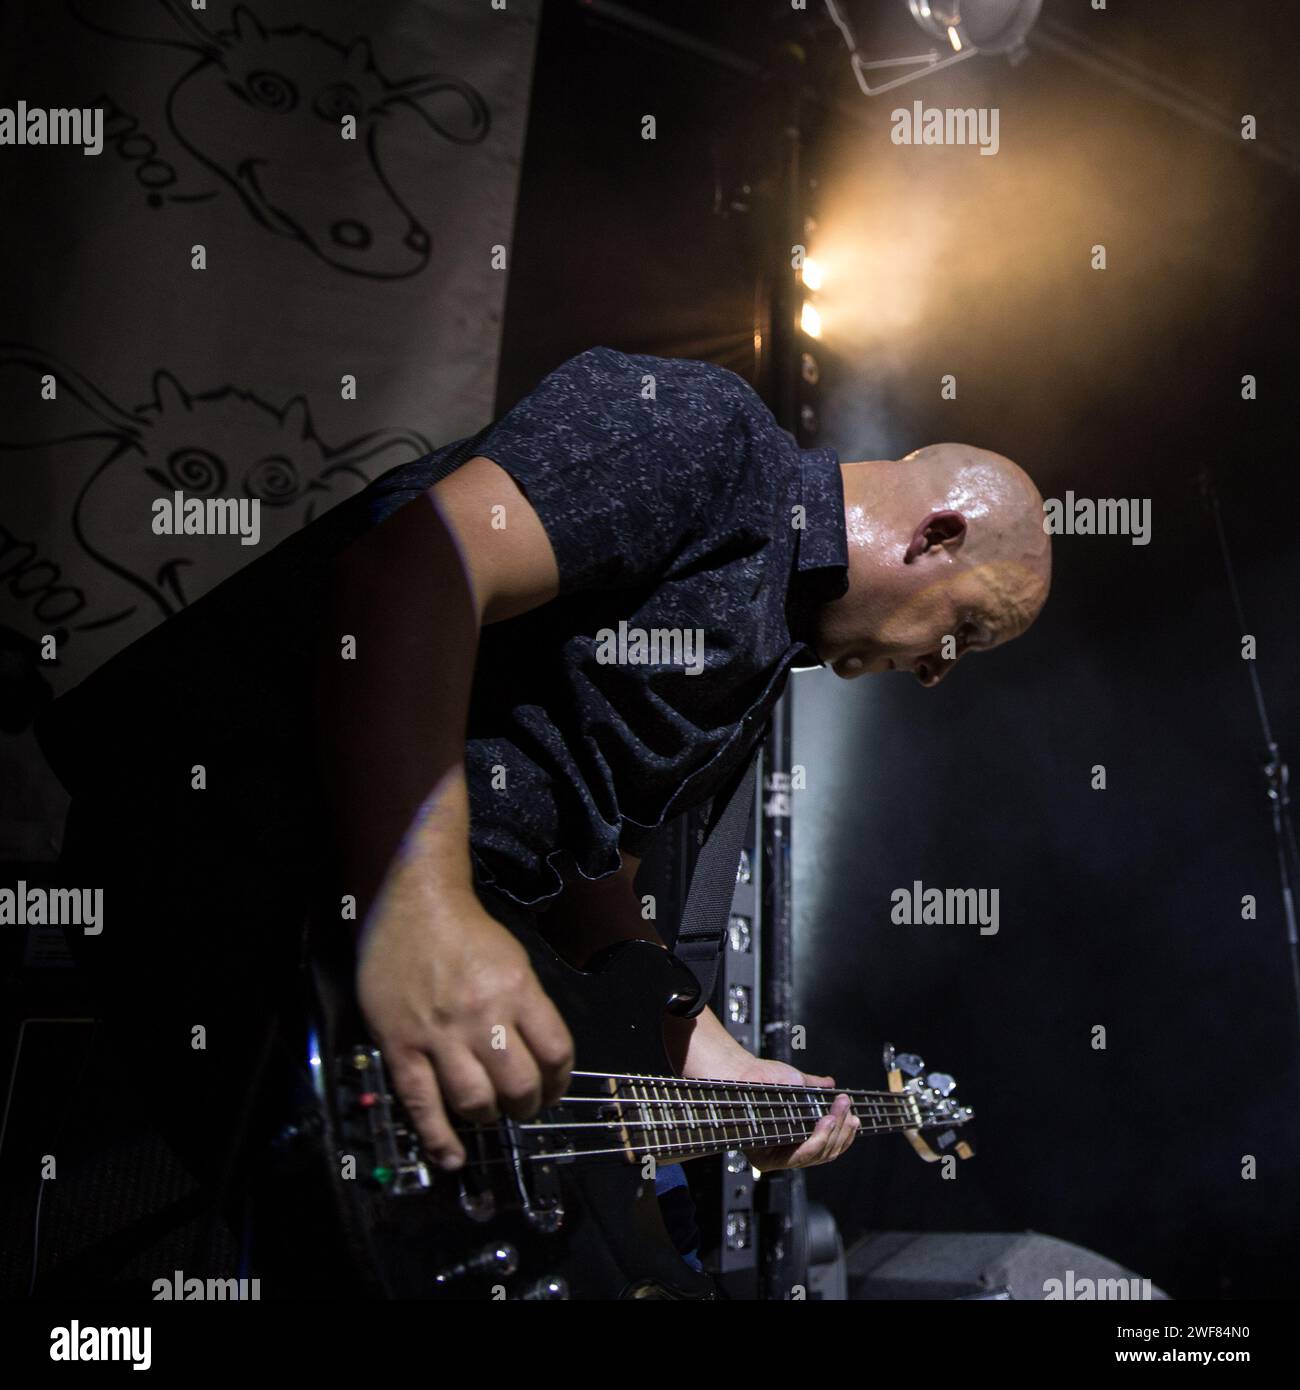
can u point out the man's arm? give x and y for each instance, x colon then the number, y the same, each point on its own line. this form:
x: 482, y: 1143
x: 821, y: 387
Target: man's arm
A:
x: 436, y: 974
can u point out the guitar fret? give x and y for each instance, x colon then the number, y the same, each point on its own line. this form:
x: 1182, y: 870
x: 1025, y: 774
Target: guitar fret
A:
x: 807, y: 1124
x: 666, y: 1109
x: 750, y: 1111
x: 644, y: 1111
x: 817, y: 1111
x: 663, y: 1119
x: 717, y: 1131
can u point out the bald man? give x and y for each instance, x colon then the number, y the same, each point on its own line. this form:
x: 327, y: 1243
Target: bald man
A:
x: 946, y: 554
x: 659, y: 494
x: 519, y: 672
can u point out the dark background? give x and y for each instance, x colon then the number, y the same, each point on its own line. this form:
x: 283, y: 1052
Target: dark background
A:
x: 1121, y: 907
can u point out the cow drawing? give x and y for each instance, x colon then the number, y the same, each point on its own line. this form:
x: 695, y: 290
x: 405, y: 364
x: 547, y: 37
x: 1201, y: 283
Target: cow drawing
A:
x: 79, y: 558
x: 264, y: 110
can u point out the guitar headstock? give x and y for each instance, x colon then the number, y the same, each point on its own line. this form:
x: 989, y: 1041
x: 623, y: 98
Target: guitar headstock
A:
x: 932, y: 1098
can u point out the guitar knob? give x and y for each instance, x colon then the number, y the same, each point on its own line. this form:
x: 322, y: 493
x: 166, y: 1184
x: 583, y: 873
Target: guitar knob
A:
x: 496, y: 1259
x: 548, y: 1289
x: 499, y: 1261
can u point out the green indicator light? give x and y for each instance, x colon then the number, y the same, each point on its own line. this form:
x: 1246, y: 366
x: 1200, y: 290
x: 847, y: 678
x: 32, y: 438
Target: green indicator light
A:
x: 381, y: 1174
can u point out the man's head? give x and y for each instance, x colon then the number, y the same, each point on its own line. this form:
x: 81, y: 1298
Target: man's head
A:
x: 947, y: 554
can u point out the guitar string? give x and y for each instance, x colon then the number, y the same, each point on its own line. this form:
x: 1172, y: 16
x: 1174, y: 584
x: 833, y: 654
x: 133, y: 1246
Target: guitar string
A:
x: 777, y: 1097
x: 777, y: 1141
x: 708, y: 1133
x: 682, y: 1146
x: 791, y: 1097
x: 731, y: 1083
x: 738, y: 1108
x: 900, y: 1117
x: 715, y: 1131
x: 897, y: 1116
x: 713, y: 1144
x: 689, y: 1106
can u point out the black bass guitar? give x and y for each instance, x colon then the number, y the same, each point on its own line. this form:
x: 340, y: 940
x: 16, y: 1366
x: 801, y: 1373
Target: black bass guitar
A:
x: 562, y: 1205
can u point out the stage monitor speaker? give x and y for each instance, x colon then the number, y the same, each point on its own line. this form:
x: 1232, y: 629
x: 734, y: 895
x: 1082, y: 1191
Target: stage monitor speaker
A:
x: 987, y: 1265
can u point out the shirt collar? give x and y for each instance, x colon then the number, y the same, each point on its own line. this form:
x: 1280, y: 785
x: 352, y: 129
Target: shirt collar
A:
x: 822, y: 548
x: 822, y: 541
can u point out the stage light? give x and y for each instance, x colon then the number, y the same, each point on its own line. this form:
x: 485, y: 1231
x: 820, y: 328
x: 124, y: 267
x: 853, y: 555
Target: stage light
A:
x: 812, y: 274
x: 989, y: 26
x: 810, y: 320
x: 968, y: 27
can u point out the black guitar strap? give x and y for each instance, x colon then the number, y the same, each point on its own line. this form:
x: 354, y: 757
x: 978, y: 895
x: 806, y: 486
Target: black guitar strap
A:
x: 713, y: 882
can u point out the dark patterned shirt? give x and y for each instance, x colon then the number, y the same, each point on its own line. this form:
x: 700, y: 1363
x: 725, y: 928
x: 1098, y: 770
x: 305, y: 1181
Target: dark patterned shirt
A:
x: 676, y: 507
x: 672, y: 501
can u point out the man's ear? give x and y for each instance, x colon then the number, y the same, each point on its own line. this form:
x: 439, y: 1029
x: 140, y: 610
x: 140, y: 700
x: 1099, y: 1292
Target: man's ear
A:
x: 939, y: 528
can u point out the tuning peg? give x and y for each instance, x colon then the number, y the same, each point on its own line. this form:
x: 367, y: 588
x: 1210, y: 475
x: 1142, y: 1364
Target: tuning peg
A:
x: 940, y: 1081
x: 909, y: 1063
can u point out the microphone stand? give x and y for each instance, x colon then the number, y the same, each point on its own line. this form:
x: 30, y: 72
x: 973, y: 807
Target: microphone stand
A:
x: 1276, y: 773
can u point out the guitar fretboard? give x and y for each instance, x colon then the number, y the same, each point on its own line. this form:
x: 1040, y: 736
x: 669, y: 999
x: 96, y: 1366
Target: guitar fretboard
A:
x: 671, y: 1117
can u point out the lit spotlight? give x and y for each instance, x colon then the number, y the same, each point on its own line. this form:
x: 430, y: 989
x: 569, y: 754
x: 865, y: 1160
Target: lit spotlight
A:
x: 810, y: 320
x: 812, y: 274
x: 991, y: 26
x: 967, y: 26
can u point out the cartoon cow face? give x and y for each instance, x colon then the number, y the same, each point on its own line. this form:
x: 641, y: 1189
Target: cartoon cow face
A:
x: 218, y: 444
x: 80, y: 558
x: 265, y: 110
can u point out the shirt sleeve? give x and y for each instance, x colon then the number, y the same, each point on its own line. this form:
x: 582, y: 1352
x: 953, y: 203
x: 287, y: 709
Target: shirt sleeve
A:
x: 619, y: 455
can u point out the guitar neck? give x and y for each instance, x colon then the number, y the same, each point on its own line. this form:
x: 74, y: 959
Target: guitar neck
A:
x: 673, y: 1118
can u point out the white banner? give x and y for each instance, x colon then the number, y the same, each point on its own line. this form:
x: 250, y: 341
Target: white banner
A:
x: 282, y: 272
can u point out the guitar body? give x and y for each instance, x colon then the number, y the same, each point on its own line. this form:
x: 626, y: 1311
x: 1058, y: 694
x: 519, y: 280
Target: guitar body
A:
x: 514, y: 1222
